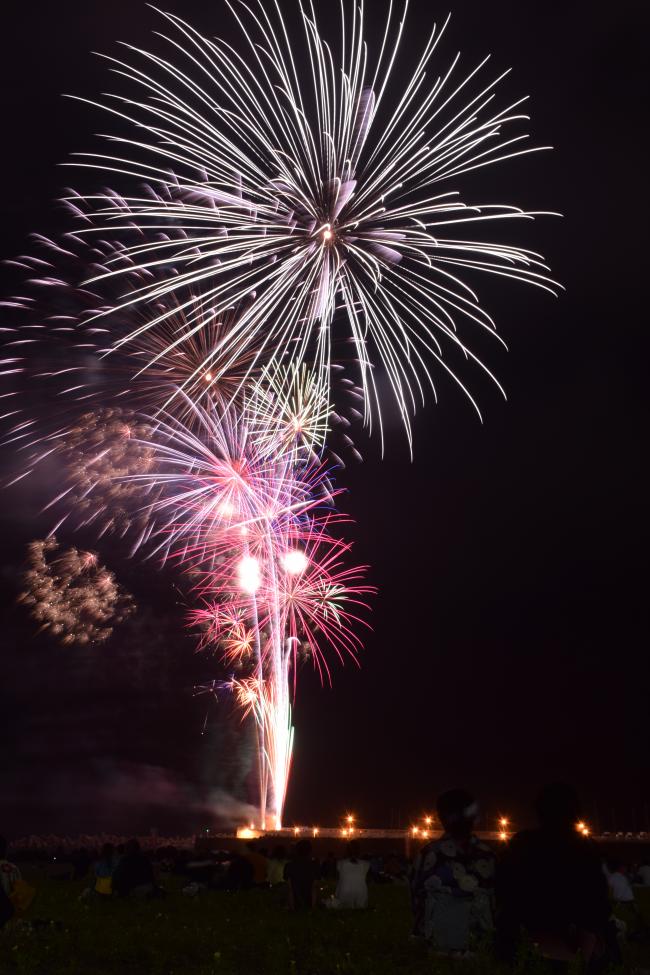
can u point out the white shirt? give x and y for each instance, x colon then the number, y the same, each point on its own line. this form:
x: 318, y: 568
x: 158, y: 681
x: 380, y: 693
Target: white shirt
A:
x: 352, y: 889
x: 621, y: 888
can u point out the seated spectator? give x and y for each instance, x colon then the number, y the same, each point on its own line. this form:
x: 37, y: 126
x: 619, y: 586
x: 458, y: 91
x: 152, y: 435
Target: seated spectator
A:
x: 258, y: 862
x: 277, y: 864
x: 452, y: 879
x: 103, y: 870
x: 239, y: 875
x: 9, y: 876
x: 6, y: 909
x: 394, y: 868
x: 81, y: 862
x: 302, y: 872
x: 9, y: 872
x: 550, y: 884
x: 619, y: 884
x: 133, y: 875
x: 329, y: 866
x: 352, y: 888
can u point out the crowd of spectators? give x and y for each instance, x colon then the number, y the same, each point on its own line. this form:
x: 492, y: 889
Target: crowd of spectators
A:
x: 547, y: 886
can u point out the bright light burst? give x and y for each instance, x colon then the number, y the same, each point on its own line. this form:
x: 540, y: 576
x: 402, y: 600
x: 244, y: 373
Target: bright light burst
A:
x: 309, y: 186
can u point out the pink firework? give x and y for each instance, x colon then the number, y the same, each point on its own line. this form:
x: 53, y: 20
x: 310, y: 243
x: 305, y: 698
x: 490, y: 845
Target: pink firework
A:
x: 253, y: 523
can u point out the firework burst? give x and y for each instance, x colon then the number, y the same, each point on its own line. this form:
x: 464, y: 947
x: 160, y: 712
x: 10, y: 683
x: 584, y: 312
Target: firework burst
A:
x: 251, y: 515
x: 315, y: 188
x: 71, y: 595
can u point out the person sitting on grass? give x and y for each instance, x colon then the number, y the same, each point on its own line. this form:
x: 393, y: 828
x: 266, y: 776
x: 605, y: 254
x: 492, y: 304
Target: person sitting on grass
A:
x: 258, y: 862
x: 9, y: 872
x: 629, y: 919
x: 302, y: 872
x: 619, y: 883
x: 133, y: 875
x: 276, y: 867
x: 452, y: 880
x: 9, y: 876
x: 551, y: 885
x: 103, y: 870
x: 352, y: 887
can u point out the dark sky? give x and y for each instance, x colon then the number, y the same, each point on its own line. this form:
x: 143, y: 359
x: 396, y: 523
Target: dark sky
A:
x: 510, y: 629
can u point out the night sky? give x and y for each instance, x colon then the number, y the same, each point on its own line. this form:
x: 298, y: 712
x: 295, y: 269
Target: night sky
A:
x: 510, y: 628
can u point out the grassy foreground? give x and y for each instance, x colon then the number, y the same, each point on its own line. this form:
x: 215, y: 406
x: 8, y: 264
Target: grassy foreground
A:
x: 249, y: 933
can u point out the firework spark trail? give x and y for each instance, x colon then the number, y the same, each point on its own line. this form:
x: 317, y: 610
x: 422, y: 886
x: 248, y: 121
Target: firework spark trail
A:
x: 252, y: 520
x: 54, y: 365
x: 313, y: 190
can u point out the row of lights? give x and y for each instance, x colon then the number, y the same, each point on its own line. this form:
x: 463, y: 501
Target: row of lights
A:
x: 421, y: 832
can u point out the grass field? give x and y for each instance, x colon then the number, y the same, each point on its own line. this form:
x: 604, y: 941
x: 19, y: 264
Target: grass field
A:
x: 249, y: 933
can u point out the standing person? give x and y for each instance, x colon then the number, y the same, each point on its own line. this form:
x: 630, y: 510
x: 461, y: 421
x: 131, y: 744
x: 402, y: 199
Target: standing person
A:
x: 452, y: 880
x: 352, y: 886
x: 302, y: 872
x: 551, y: 884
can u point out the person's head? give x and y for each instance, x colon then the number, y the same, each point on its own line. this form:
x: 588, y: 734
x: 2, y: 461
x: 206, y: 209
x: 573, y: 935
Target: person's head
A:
x: 279, y: 853
x: 457, y: 811
x: 354, y: 850
x: 616, y: 866
x: 132, y: 847
x: 558, y: 806
x: 3, y: 847
x: 303, y: 850
x: 107, y: 852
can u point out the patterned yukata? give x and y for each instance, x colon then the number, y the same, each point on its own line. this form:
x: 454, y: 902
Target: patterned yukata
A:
x: 452, y: 892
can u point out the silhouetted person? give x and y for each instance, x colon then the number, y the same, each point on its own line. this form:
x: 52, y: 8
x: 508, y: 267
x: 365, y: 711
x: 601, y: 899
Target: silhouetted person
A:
x: 104, y: 868
x: 551, y: 885
x: 259, y: 862
x: 81, y: 861
x: 239, y: 875
x: 9, y: 874
x: 452, y: 879
x: 328, y: 866
x: 302, y: 872
x: 133, y: 873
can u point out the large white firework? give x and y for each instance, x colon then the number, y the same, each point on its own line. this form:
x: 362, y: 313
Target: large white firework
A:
x: 315, y: 182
